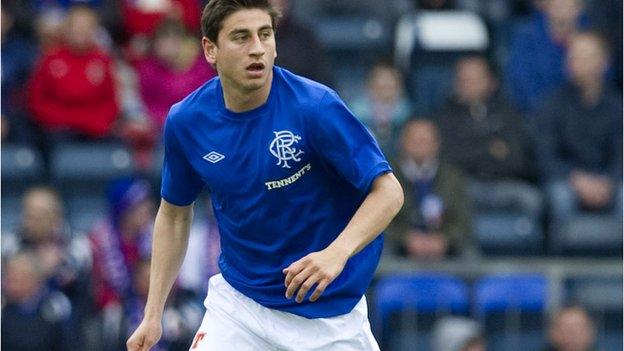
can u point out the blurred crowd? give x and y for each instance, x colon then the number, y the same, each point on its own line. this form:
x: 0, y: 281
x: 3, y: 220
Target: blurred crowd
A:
x: 527, y: 138
x: 61, y: 291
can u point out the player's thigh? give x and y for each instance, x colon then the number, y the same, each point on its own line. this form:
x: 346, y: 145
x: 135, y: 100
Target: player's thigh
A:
x: 221, y: 333
x: 348, y: 332
x: 229, y: 323
x: 364, y: 339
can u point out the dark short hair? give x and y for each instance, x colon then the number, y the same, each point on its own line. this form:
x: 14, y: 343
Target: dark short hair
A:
x: 217, y: 10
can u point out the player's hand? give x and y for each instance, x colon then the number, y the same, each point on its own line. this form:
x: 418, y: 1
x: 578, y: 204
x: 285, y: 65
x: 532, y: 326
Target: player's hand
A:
x: 318, y: 268
x: 147, y: 335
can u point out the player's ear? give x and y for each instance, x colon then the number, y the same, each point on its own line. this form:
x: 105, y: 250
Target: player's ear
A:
x: 210, y: 50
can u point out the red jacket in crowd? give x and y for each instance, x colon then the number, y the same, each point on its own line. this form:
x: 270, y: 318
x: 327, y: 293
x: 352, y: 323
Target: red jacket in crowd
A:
x: 142, y: 17
x: 74, y: 91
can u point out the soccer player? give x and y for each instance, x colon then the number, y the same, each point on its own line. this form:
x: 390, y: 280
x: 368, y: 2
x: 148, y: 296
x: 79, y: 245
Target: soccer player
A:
x: 300, y: 190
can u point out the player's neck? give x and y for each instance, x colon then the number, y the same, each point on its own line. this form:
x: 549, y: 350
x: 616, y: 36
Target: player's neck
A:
x: 241, y: 100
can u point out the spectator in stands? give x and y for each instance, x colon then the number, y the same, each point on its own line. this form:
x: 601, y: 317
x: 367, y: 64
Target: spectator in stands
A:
x: 476, y: 343
x: 47, y: 16
x: 121, y: 240
x: 63, y: 261
x: 48, y: 27
x: 135, y: 128
x: 605, y: 17
x: 579, y: 147
x: 571, y: 329
x: 42, y: 222
x: 174, y: 69
x: 145, y: 17
x: 452, y: 333
x: 142, y: 18
x: 72, y: 89
x: 536, y: 57
x: 183, y: 312
x: 484, y: 137
x: 34, y: 316
x: 18, y: 55
x: 300, y: 51
x: 435, y: 219
x: 385, y: 108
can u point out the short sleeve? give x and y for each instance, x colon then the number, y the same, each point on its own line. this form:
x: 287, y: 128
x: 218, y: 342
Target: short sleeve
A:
x: 345, y: 144
x: 180, y: 182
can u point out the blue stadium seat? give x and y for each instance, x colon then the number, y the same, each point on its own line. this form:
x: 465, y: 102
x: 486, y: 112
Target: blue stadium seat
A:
x: 22, y: 166
x: 79, y: 168
x: 512, y: 309
x: 500, y: 293
x: 429, y: 294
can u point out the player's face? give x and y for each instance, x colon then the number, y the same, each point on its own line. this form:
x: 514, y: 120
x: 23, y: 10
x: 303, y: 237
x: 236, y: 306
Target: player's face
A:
x: 245, y: 50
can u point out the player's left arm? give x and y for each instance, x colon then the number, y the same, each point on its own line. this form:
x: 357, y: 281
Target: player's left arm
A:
x: 320, y: 268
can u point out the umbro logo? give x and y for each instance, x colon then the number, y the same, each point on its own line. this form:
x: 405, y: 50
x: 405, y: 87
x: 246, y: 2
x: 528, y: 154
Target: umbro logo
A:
x: 213, y: 157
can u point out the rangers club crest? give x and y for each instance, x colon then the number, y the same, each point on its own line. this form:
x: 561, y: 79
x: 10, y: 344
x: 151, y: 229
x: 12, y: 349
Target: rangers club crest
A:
x: 282, y: 148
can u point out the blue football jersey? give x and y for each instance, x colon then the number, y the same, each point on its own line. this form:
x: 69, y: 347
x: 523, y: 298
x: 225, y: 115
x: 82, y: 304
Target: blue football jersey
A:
x: 285, y: 179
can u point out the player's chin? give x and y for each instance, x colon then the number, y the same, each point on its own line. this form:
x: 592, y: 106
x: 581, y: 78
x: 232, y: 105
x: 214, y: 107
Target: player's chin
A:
x: 254, y: 84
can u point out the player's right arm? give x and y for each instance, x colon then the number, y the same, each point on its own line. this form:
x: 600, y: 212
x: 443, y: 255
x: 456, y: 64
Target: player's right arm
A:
x: 171, y: 233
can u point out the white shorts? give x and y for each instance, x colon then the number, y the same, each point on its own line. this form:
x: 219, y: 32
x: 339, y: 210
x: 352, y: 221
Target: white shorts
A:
x: 234, y: 322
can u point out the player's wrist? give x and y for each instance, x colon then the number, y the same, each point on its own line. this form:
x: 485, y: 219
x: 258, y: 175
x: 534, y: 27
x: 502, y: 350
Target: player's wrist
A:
x: 340, y: 250
x: 153, y: 314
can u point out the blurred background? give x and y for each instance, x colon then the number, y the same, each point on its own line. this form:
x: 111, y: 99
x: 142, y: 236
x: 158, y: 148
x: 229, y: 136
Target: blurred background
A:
x: 502, y: 119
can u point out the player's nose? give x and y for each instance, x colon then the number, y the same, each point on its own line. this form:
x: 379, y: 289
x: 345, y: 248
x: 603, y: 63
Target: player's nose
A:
x: 256, y: 49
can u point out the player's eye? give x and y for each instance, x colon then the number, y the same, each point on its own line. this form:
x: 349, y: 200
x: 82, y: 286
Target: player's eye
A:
x: 240, y: 38
x: 265, y: 34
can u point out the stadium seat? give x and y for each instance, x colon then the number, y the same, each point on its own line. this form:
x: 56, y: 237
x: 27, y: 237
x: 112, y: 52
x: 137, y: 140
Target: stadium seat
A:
x: 512, y: 309
x: 84, y: 211
x: 520, y: 235
x: 10, y: 212
x: 589, y: 234
x: 500, y: 293
x: 79, y: 168
x: 430, y: 86
x: 353, y: 44
x: 596, y: 294
x: 427, y: 294
x: 22, y: 166
x: 310, y: 11
x: 352, y: 33
x: 602, y: 297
